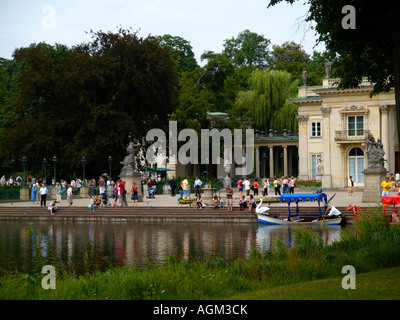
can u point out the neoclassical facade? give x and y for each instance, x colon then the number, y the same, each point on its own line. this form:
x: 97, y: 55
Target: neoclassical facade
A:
x: 333, y: 127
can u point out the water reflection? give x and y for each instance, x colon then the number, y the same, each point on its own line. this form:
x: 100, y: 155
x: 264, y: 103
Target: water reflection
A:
x: 82, y: 246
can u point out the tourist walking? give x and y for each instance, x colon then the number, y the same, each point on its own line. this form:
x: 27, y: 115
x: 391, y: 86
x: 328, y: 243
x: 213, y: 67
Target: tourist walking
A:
x: 292, y: 184
x: 277, y: 186
x: 102, y: 185
x: 229, y: 198
x: 69, y: 195
x: 58, y: 191
x: 285, y: 184
x: 180, y: 192
x: 185, y: 188
x: 255, y: 187
x: 134, y: 192
x: 246, y: 184
x: 266, y: 188
x: 197, y: 185
x: 115, y: 193
x: 240, y: 187
x: 350, y: 186
x: 122, y: 192
x: 43, y: 195
x: 33, y: 193
x: 172, y: 186
x: 385, y: 185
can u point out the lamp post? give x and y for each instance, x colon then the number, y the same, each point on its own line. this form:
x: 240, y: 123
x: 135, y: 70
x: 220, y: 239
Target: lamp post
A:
x: 12, y: 167
x: 109, y: 164
x: 83, y: 161
x: 207, y: 171
x: 45, y: 167
x: 264, y: 156
x: 23, y: 167
x: 166, y: 170
x: 186, y: 162
x: 54, y: 160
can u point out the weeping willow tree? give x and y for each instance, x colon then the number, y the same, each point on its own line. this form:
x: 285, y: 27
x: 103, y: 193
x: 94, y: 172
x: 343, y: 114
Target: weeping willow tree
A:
x: 267, y: 102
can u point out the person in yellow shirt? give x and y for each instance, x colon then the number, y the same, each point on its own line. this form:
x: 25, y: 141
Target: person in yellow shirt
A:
x: 185, y: 187
x: 386, y: 185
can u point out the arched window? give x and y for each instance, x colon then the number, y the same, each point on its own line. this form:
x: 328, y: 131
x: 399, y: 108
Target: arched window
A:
x: 356, y: 165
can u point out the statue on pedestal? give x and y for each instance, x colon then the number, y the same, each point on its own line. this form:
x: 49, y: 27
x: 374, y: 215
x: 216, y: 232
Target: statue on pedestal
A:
x: 227, y: 170
x: 304, y: 76
x: 129, y: 162
x: 375, y: 153
x: 328, y: 68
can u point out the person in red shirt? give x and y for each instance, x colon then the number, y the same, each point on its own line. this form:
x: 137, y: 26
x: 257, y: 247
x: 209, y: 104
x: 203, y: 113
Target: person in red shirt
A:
x: 122, y: 192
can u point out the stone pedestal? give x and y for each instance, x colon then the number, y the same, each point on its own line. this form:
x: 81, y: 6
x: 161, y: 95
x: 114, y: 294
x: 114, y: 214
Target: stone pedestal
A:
x: 129, y: 179
x: 372, y: 184
x: 24, y: 194
x: 84, y: 192
x: 208, y: 195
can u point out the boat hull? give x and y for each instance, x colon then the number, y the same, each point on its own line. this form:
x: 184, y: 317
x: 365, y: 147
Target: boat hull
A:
x: 281, y: 222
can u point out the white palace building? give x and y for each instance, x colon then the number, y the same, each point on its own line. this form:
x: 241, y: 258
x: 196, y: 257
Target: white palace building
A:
x: 333, y: 127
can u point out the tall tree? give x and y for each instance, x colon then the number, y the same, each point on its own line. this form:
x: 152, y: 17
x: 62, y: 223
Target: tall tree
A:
x: 248, y: 48
x: 366, y: 36
x: 182, y: 49
x: 267, y: 102
x: 289, y: 57
x: 87, y: 100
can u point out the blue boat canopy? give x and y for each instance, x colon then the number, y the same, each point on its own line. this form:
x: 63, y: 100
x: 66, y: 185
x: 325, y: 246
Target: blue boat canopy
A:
x: 296, y: 197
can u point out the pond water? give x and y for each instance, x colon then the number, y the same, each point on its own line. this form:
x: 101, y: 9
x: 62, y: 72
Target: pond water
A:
x: 82, y: 246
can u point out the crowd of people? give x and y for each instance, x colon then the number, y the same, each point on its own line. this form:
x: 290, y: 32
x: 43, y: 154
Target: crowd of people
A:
x: 287, y: 184
x: 40, y: 189
x: 245, y: 188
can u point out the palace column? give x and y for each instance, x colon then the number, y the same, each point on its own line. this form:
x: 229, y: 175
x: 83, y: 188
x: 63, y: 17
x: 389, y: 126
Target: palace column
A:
x: 327, y: 155
x: 384, y: 109
x: 257, y: 162
x: 303, y: 147
x: 285, y: 161
x: 271, y: 161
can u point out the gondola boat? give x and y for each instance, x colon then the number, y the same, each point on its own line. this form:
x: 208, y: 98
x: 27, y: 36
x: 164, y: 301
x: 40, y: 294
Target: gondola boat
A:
x: 319, y: 197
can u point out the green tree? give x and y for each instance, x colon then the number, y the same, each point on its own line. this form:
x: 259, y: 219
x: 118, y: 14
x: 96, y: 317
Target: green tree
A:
x: 248, y: 48
x: 289, y: 57
x: 267, y: 102
x: 182, y: 49
x: 87, y: 100
x: 371, y: 49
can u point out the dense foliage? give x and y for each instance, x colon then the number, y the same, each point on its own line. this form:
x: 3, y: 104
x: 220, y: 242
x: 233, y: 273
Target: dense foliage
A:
x: 88, y: 100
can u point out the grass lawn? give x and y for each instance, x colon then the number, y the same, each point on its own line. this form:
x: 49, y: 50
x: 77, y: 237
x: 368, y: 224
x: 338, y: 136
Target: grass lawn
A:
x: 376, y: 285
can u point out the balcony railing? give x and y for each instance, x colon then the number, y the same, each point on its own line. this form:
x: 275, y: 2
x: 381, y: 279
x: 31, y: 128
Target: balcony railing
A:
x: 351, y: 135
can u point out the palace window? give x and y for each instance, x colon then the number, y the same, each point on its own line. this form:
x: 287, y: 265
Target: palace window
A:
x: 355, y: 125
x: 315, y: 129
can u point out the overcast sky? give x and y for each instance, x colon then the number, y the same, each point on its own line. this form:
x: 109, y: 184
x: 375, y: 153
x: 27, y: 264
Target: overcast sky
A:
x: 205, y: 23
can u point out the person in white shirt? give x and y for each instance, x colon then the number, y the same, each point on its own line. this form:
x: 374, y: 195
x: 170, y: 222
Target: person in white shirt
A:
x: 43, y: 195
x: 246, y: 184
x: 333, y: 212
x: 350, y: 185
x: 69, y: 195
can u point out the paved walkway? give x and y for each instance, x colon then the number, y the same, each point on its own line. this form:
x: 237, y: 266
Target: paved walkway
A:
x: 341, y: 199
